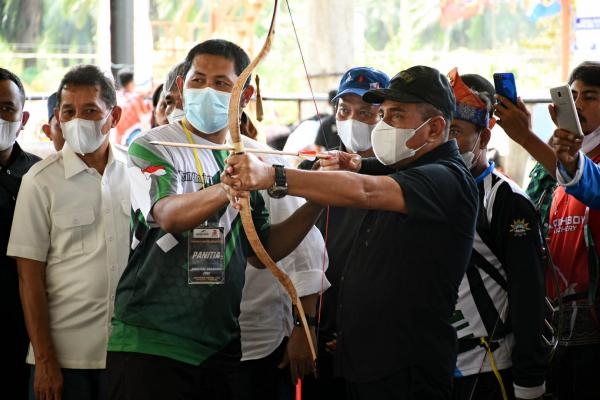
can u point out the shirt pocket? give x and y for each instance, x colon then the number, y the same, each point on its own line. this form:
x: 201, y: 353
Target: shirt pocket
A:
x: 74, y: 232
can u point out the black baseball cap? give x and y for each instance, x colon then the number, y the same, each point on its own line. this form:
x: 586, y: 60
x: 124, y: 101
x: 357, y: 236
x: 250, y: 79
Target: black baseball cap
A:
x: 418, y: 84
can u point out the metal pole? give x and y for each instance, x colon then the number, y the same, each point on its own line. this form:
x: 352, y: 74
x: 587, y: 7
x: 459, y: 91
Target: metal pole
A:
x: 121, y: 34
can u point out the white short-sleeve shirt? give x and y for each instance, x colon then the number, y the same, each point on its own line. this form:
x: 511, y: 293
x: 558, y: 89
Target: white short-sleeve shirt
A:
x: 266, y: 308
x: 77, y: 221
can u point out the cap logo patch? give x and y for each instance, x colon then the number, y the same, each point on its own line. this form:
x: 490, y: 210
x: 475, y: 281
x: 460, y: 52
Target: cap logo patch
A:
x: 406, y: 76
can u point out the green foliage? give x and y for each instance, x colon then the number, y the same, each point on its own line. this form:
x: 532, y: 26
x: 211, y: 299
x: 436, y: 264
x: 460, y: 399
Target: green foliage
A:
x: 10, y: 19
x: 397, y: 34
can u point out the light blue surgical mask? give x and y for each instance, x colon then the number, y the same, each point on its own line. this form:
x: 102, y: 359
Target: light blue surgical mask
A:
x: 206, y: 109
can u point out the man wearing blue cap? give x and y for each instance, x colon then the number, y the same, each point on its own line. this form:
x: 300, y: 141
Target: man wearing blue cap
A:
x: 399, y: 286
x: 355, y: 120
x: 52, y: 128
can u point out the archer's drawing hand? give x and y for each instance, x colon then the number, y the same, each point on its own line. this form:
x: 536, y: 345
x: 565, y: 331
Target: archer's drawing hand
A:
x: 340, y: 160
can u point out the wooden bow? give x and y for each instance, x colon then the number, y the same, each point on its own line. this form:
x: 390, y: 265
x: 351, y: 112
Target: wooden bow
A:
x: 245, y: 212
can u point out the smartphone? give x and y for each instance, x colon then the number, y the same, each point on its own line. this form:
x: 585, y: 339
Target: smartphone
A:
x: 566, y: 113
x: 505, y: 85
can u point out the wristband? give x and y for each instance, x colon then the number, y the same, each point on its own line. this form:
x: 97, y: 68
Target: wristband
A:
x: 310, y: 320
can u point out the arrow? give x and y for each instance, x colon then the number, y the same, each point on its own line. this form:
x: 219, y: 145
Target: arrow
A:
x: 308, y: 154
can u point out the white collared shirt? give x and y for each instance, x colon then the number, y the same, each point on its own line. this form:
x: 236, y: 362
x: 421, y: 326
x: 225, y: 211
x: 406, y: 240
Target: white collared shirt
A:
x: 77, y: 221
x: 266, y: 308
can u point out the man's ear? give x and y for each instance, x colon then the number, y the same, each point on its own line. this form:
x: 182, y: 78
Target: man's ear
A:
x: 437, y: 128
x: 247, y: 95
x: 47, y: 131
x: 24, y: 118
x: 484, y: 138
x: 116, y: 116
x: 179, y: 82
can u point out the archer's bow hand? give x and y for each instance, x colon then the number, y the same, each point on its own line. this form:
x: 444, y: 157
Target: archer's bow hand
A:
x: 247, y: 172
x: 233, y: 195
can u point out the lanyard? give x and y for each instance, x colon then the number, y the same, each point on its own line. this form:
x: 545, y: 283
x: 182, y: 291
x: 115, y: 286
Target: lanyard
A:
x: 199, y: 168
x: 486, y: 172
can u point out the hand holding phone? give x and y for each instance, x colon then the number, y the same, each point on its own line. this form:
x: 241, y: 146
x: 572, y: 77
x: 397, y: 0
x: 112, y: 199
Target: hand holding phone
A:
x: 504, y: 83
x: 564, y: 106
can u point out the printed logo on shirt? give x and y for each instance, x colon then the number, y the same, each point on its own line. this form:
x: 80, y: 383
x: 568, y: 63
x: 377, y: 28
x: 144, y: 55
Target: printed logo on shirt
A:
x: 568, y: 224
x: 519, y: 227
x: 157, y: 170
x: 193, y: 176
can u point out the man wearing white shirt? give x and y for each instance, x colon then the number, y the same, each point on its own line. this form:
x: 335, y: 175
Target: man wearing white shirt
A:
x: 270, y: 338
x: 70, y: 239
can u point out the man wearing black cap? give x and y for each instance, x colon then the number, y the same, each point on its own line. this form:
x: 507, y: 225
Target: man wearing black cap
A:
x: 354, y: 119
x: 399, y: 288
x: 52, y: 128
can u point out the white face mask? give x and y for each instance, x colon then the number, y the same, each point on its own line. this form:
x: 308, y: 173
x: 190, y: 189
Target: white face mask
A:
x: 389, y: 143
x: 355, y: 135
x: 84, y: 136
x: 8, y: 133
x: 176, y: 115
x: 469, y: 156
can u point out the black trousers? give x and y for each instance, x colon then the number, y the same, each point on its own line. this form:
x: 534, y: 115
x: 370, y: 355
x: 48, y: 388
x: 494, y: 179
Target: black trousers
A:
x: 483, y: 386
x: 147, y: 377
x: 326, y: 386
x: 574, y: 373
x: 261, y: 379
x: 411, y: 383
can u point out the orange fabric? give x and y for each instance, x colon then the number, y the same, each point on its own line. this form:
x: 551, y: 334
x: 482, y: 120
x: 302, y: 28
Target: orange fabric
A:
x: 135, y: 115
x: 462, y: 92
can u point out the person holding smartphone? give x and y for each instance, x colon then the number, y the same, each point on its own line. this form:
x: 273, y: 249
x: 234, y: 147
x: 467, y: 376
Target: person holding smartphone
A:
x: 499, y: 315
x: 574, y: 231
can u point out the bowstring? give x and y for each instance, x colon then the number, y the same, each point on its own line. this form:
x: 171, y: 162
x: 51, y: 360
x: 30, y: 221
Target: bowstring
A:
x: 485, y: 353
x: 314, y: 101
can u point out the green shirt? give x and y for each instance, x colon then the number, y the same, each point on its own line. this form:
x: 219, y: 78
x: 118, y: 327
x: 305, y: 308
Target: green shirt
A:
x: 540, y: 190
x: 156, y: 311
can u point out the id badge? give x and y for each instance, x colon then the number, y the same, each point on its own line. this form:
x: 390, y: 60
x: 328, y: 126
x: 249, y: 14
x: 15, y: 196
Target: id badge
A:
x: 206, y: 247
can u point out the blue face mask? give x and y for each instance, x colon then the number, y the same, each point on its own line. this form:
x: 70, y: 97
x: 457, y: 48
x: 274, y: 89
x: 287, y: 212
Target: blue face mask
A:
x: 206, y: 109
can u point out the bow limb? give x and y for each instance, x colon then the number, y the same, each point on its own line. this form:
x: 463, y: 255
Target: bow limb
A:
x: 245, y: 212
